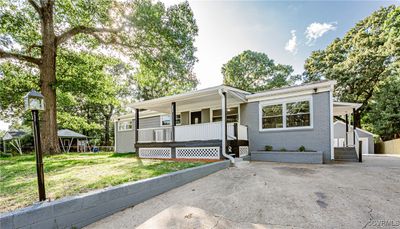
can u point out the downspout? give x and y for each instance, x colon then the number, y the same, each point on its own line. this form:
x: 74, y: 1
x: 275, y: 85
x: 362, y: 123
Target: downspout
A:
x: 222, y: 93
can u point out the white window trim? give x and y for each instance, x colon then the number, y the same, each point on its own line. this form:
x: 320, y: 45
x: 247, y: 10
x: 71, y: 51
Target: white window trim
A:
x: 127, y: 129
x: 284, y: 102
x: 161, y: 124
x: 213, y: 109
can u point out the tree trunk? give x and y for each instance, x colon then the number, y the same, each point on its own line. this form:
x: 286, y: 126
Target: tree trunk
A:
x: 107, y: 118
x: 48, y: 80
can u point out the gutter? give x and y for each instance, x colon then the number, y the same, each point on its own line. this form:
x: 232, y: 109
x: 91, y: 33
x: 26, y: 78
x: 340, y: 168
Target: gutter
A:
x: 222, y: 93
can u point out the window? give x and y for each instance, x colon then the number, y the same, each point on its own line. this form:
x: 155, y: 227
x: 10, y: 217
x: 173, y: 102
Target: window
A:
x: 272, y: 116
x: 286, y: 115
x: 124, y: 125
x: 298, y: 114
x: 232, y: 115
x: 166, y: 120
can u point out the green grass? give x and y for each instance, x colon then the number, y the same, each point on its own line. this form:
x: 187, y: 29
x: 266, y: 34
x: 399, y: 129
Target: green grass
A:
x: 73, y: 173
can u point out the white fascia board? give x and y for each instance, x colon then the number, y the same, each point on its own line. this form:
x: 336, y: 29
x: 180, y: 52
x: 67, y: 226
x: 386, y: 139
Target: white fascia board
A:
x: 174, y: 98
x: 131, y: 116
x: 287, y: 95
x: 292, y: 91
x: 186, y: 96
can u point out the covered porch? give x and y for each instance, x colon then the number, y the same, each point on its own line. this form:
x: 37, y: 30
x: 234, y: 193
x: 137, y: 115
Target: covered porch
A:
x: 347, y: 148
x: 203, y: 124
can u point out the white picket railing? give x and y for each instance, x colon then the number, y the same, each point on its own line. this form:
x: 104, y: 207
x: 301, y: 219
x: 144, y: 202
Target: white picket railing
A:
x: 196, y: 132
x: 357, y: 143
x: 242, y: 132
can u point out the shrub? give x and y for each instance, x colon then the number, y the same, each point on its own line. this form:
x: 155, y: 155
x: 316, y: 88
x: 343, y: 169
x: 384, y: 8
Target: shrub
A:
x: 283, y: 149
x: 268, y: 148
x: 302, y: 148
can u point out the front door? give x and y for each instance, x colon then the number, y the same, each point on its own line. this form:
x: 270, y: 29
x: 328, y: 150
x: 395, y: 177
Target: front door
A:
x: 195, y: 117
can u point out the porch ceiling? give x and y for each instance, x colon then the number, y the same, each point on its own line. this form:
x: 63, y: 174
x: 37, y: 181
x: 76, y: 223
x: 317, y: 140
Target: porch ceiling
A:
x: 341, y: 108
x: 191, y: 101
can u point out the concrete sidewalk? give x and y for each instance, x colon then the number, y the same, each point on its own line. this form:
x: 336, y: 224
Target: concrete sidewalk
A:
x: 265, y: 195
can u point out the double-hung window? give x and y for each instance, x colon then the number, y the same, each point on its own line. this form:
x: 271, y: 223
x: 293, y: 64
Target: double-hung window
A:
x: 125, y: 125
x: 286, y: 114
x: 166, y: 120
x: 232, y: 115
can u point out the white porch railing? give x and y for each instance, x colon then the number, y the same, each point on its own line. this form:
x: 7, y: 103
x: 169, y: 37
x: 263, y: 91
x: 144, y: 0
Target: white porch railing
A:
x: 357, y: 143
x: 159, y: 134
x: 196, y: 132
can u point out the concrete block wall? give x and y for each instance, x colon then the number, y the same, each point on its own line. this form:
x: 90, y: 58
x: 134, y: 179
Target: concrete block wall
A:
x: 79, y: 211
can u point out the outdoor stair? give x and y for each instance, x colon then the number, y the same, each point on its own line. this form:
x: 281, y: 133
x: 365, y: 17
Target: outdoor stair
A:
x: 240, y: 163
x: 345, y: 154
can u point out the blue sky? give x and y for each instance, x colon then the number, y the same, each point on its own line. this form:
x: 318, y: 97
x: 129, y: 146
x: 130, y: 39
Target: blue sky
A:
x: 227, y: 28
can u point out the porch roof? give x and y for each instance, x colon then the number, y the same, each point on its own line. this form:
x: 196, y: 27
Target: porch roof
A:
x: 204, y: 98
x: 342, y: 108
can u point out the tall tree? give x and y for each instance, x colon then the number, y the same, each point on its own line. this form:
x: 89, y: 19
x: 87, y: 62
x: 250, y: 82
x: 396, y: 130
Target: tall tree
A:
x: 384, y: 115
x: 84, y: 104
x: 255, y: 71
x: 168, y: 68
x: 364, y: 58
x: 32, y: 32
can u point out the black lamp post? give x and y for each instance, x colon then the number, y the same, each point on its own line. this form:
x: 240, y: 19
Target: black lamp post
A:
x: 34, y: 102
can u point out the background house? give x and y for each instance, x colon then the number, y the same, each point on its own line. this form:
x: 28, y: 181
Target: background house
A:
x: 367, y: 138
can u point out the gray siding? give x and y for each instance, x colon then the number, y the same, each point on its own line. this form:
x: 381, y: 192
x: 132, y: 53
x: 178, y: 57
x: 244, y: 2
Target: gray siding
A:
x: 185, y: 118
x: 317, y: 138
x: 125, y: 140
x: 205, y: 115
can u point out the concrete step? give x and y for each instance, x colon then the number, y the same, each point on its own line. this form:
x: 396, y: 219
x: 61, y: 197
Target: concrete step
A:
x: 347, y: 160
x: 345, y: 153
x: 240, y: 163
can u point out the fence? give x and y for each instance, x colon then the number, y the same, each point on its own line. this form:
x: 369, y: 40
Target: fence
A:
x: 388, y: 147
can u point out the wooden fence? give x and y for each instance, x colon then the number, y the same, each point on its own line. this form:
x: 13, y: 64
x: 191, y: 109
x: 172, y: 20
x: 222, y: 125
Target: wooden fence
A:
x: 388, y: 147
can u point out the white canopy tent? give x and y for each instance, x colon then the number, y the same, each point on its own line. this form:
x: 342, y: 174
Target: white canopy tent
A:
x: 14, y: 137
x: 66, y: 134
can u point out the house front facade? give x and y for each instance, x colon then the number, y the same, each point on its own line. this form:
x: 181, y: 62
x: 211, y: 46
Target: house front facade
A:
x: 225, y: 122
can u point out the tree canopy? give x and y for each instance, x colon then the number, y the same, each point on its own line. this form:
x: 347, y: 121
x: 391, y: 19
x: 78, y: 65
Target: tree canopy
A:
x: 255, y: 71
x: 68, y: 47
x: 361, y: 60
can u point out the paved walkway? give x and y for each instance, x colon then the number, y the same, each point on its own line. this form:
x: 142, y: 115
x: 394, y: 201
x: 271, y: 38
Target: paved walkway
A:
x: 262, y: 194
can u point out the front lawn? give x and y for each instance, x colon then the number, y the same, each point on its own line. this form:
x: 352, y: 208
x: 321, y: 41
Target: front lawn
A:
x: 73, y: 173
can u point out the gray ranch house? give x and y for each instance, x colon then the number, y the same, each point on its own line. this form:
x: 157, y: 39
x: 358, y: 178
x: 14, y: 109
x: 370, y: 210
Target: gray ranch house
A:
x: 225, y: 122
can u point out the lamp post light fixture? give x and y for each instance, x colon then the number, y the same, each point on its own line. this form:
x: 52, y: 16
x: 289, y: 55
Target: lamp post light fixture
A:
x: 34, y: 102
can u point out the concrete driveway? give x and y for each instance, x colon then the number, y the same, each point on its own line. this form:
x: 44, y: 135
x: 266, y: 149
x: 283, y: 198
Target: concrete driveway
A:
x: 277, y: 195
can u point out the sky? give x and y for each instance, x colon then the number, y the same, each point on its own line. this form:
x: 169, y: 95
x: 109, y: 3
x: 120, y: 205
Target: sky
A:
x: 287, y: 31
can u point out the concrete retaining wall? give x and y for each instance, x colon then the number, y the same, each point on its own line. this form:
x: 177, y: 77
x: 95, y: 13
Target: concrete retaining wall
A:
x: 291, y: 157
x: 79, y: 211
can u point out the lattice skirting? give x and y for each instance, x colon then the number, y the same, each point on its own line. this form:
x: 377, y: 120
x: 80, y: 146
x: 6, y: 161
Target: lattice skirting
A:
x: 243, y: 151
x: 155, y: 152
x: 198, y: 152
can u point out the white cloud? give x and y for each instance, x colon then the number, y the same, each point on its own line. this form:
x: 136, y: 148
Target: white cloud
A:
x: 291, y: 45
x: 315, y: 30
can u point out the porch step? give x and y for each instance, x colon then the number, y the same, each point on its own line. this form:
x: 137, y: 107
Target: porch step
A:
x: 240, y: 163
x: 345, y: 154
